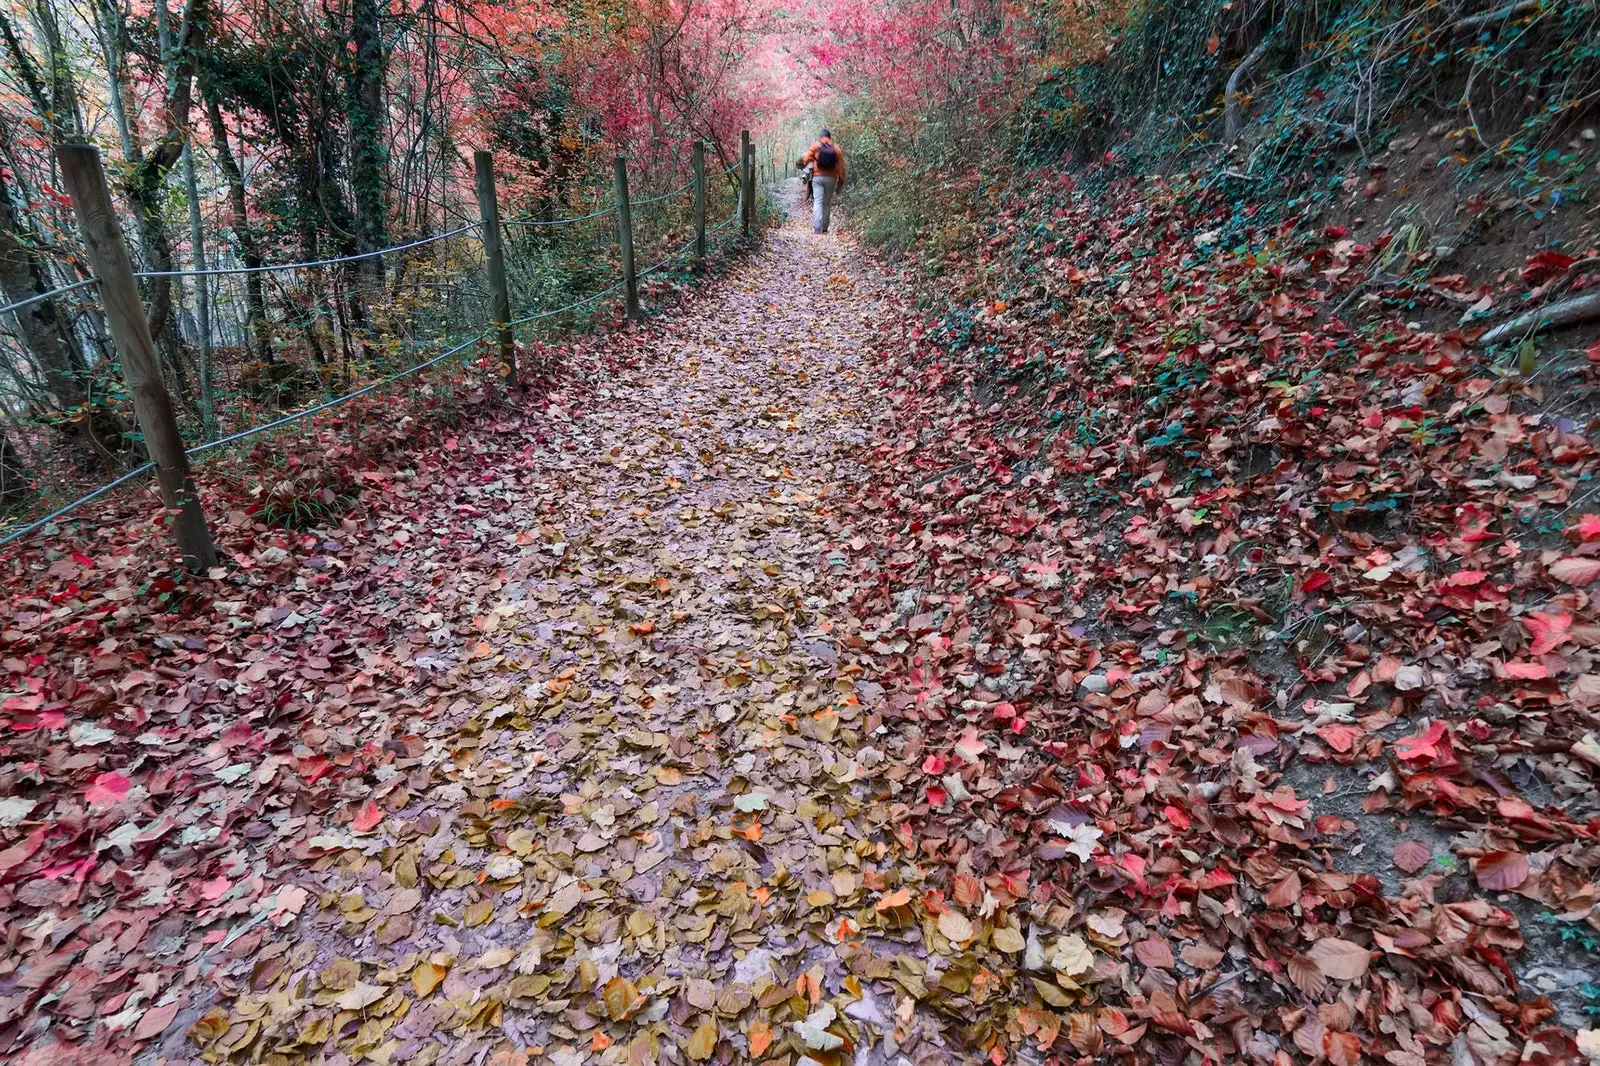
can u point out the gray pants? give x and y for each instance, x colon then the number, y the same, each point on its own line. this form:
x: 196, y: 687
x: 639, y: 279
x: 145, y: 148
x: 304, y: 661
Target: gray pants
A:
x: 822, y: 190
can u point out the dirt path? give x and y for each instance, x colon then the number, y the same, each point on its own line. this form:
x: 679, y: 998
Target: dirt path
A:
x: 643, y: 830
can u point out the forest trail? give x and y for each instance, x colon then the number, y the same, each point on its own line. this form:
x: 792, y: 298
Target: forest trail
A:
x: 640, y: 831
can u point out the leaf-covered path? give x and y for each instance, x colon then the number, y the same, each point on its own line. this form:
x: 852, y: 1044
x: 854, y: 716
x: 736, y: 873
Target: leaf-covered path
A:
x: 640, y: 828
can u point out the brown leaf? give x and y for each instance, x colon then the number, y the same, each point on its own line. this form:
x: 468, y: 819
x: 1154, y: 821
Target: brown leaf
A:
x: 1412, y: 855
x: 1306, y: 975
x: 1285, y: 893
x: 1500, y: 870
x: 1154, y: 952
x: 426, y: 977
x: 1340, y: 959
x: 1200, y: 955
x: 621, y: 998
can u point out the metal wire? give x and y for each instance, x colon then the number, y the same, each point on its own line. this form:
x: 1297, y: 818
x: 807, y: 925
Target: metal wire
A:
x: 30, y: 301
x: 200, y: 449
x: 336, y: 401
x: 669, y: 194
x: 559, y: 221
x: 245, y: 434
x: 75, y: 504
x: 570, y: 307
x: 270, y: 267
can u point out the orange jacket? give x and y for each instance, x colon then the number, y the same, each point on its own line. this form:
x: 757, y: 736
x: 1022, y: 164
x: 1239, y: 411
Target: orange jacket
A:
x: 837, y: 172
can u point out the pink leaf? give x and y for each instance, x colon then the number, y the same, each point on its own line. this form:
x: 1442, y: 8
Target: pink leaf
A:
x: 1574, y: 571
x: 108, y: 788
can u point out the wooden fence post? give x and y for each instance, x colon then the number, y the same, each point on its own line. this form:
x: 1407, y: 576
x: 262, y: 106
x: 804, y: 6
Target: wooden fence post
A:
x: 630, y: 280
x: 700, y: 204
x: 745, y: 184
x: 495, y: 262
x: 136, y: 351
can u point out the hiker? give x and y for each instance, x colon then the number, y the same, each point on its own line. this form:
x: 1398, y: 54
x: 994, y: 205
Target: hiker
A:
x: 827, y: 178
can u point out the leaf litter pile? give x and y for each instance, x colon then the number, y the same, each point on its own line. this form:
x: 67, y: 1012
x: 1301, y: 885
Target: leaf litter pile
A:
x: 796, y: 685
x: 1246, y: 663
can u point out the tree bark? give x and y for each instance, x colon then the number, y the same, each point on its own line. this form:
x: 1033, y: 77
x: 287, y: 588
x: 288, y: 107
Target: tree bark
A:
x: 1232, y: 122
x: 1566, y: 313
x: 244, y: 233
x: 365, y: 89
x: 24, y: 274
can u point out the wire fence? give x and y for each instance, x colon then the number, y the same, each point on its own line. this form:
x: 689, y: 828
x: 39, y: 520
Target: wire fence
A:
x: 346, y: 326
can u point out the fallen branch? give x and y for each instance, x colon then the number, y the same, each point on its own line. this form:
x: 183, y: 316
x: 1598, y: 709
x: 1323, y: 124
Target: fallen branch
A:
x: 1567, y: 312
x: 1500, y: 14
x: 1231, y: 122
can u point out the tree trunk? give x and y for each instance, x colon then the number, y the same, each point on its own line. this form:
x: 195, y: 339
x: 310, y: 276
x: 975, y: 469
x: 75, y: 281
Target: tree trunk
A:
x: 244, y: 233
x: 365, y: 91
x: 16, y: 486
x: 45, y: 334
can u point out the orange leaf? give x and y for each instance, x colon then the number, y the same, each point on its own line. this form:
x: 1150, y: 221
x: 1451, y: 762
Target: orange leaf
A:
x: 368, y: 817
x: 760, y: 1038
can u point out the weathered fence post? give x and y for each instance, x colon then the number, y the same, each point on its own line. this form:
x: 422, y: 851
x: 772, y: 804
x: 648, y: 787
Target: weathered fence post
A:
x: 700, y: 205
x: 630, y: 280
x: 136, y: 351
x: 495, y: 262
x: 745, y: 184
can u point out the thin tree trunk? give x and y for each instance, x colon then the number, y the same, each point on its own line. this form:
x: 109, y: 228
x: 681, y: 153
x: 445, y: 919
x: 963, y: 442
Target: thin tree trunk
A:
x: 244, y: 233
x: 202, y: 295
x: 24, y: 274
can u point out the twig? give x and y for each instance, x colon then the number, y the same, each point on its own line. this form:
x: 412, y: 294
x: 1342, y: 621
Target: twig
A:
x: 1500, y: 14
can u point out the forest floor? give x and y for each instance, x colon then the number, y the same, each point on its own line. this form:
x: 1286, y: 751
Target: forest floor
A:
x: 757, y: 696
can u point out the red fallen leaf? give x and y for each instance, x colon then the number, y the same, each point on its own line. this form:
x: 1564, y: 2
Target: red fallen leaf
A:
x: 1588, y: 527
x: 107, y: 789
x: 1342, y: 1049
x: 1465, y: 578
x: 1285, y: 893
x: 368, y: 817
x: 1154, y: 953
x: 156, y: 1020
x: 937, y: 797
x: 215, y: 888
x: 1574, y: 571
x: 1316, y: 580
x: 1412, y: 855
x: 1340, y: 738
x: 21, y: 851
x: 934, y: 765
x: 1521, y: 671
x: 1177, y: 816
x: 1499, y: 871
x: 1549, y: 630
x: 1427, y: 745
x: 1217, y: 879
x: 1545, y: 266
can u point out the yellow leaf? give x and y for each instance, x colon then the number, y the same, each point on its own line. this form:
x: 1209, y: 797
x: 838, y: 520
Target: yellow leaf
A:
x: 1009, y: 940
x: 704, y: 1041
x: 668, y: 775
x: 955, y: 926
x: 622, y: 998
x: 478, y: 913
x: 426, y: 977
